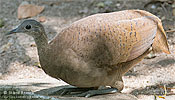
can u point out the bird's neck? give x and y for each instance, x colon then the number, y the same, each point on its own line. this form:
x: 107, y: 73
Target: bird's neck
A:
x: 42, y: 47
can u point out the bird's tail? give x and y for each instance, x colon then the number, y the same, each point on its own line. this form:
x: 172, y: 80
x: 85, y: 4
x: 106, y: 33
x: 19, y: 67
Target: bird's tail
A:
x: 160, y: 43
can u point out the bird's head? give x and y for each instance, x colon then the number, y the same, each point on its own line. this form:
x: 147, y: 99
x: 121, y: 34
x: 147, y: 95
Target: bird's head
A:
x: 30, y: 27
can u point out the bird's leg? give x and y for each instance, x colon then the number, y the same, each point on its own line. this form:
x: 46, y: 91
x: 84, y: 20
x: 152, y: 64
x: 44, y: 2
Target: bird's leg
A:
x: 68, y: 91
x: 83, y: 92
x: 91, y: 93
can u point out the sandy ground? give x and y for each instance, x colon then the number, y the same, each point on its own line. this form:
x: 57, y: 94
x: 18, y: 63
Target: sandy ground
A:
x: 18, y: 56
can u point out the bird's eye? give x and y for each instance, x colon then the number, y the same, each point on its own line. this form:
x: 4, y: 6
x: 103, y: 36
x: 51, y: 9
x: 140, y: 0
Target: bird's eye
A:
x: 28, y: 27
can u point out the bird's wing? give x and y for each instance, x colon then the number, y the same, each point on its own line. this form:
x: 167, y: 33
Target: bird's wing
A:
x: 147, y: 32
x: 140, y: 36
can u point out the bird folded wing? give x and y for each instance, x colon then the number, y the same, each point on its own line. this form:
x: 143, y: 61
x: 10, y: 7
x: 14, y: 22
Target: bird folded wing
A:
x: 144, y: 34
x: 160, y: 42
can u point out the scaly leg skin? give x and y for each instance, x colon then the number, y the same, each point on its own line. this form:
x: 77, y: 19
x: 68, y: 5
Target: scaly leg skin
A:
x: 70, y: 91
x: 91, y: 93
x: 83, y: 92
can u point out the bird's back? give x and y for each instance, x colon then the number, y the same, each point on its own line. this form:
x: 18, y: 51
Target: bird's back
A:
x: 112, y: 38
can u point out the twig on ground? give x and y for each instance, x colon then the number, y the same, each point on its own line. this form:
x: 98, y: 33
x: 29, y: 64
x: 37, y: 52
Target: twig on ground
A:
x: 170, y: 31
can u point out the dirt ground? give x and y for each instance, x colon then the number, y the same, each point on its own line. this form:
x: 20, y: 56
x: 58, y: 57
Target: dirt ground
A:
x: 19, y: 59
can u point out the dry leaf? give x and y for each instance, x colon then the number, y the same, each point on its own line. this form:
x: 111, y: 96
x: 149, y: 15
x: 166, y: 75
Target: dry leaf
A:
x: 173, y: 11
x: 161, y: 97
x: 42, y: 19
x: 29, y: 10
x: 173, y: 30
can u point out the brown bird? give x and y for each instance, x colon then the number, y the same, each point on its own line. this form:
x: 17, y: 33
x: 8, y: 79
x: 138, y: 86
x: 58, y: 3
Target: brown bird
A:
x: 98, y: 50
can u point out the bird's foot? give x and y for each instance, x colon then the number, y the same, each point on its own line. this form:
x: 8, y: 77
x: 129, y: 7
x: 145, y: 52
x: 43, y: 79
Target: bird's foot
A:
x: 91, y: 93
x: 70, y: 91
x: 83, y: 92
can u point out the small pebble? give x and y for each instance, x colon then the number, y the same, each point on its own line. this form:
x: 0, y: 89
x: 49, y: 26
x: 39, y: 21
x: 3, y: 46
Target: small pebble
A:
x: 101, y: 5
x: 150, y: 56
x: 108, y: 3
x: 153, y: 6
x: 118, y: 5
x: 84, y: 11
x: 163, y: 18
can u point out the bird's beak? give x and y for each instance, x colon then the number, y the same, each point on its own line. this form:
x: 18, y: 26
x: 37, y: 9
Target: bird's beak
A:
x: 12, y: 31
